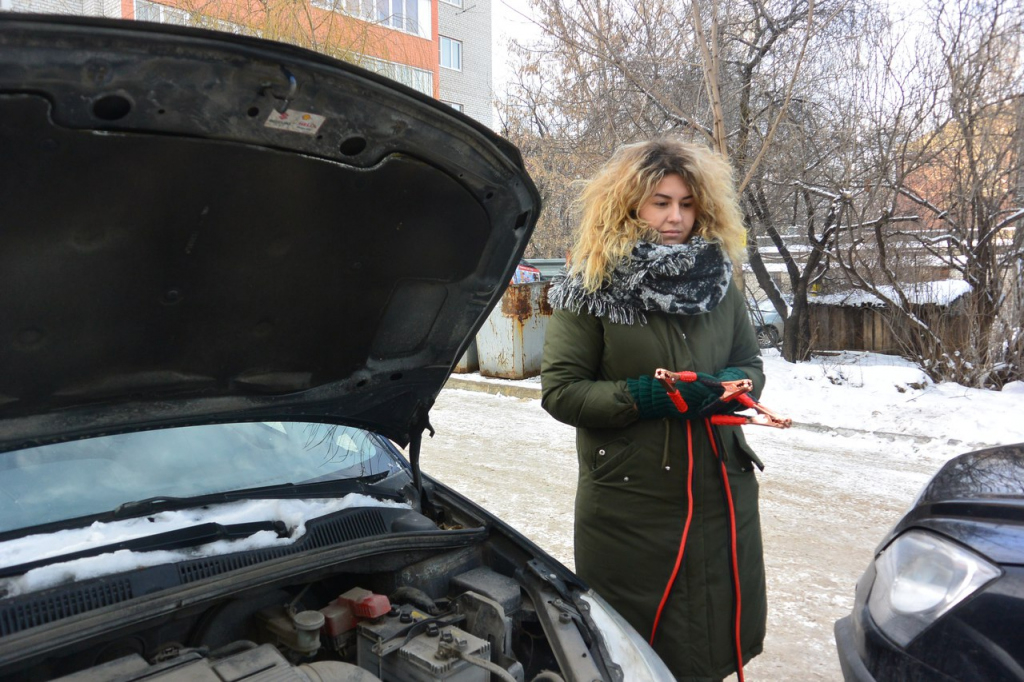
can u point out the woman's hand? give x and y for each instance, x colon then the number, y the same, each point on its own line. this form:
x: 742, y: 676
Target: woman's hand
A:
x: 653, y: 401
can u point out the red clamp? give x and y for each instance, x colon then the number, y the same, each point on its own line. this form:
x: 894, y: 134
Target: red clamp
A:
x: 729, y: 391
x: 764, y: 416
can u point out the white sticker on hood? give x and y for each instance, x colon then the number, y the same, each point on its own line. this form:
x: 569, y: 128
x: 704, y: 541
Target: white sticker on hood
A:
x: 295, y: 121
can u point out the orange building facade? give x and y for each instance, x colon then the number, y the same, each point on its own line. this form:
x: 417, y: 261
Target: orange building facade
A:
x: 397, y: 38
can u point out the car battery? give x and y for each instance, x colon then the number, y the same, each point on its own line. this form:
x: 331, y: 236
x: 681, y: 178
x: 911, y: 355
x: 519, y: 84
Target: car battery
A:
x: 431, y: 654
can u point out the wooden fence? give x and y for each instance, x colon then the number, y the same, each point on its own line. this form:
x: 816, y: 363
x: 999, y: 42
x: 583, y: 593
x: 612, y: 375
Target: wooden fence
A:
x: 871, y: 328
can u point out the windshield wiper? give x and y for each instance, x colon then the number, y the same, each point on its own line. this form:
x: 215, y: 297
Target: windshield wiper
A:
x: 329, y: 488
x: 192, y: 536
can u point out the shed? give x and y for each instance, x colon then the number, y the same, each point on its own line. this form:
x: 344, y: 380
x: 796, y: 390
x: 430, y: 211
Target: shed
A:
x: 857, y: 320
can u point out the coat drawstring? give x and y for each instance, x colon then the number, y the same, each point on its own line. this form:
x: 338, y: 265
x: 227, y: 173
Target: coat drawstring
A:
x: 665, y: 450
x: 713, y: 436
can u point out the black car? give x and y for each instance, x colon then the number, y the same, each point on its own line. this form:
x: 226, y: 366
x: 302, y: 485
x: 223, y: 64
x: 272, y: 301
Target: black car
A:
x: 235, y: 276
x: 944, y: 597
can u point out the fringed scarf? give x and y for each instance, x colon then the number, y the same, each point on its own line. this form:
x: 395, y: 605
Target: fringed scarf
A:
x: 679, y: 279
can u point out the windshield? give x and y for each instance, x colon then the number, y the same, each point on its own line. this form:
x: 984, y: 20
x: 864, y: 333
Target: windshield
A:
x: 80, y: 478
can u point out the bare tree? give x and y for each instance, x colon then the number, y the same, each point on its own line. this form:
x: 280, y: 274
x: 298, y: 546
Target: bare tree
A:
x: 952, y: 158
x: 745, y: 76
x: 861, y: 162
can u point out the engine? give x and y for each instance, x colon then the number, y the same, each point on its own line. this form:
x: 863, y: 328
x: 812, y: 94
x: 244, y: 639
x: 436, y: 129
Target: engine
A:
x: 484, y: 629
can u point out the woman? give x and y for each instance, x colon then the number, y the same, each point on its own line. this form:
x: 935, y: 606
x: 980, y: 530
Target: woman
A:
x: 649, y: 287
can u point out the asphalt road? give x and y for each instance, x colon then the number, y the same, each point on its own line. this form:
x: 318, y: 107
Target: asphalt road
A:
x: 826, y: 501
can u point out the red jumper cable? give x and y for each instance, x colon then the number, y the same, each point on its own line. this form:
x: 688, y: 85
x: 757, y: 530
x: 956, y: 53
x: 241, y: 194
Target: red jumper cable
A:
x: 728, y: 391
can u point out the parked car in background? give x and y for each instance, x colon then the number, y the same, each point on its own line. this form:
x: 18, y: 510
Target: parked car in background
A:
x: 943, y: 598
x: 549, y: 268
x: 236, y: 275
x: 525, y: 273
x: 768, y: 324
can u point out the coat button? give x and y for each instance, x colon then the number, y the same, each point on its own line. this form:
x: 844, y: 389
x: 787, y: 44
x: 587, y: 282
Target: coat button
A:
x: 625, y: 478
x: 600, y: 452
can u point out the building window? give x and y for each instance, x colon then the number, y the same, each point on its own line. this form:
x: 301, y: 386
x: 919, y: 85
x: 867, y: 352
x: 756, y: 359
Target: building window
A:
x: 162, y: 14
x: 410, y: 16
x: 457, y: 3
x: 454, y: 105
x: 451, y: 53
x: 417, y: 79
x: 152, y: 11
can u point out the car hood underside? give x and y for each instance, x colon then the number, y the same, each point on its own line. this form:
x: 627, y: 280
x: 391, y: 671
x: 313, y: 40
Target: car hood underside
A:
x: 202, y: 227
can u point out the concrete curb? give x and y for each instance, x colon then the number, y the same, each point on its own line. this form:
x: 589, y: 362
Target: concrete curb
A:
x: 493, y: 387
x: 499, y: 387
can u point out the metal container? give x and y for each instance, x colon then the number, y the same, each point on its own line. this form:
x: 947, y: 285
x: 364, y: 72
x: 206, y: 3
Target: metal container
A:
x: 468, y: 362
x: 511, y: 343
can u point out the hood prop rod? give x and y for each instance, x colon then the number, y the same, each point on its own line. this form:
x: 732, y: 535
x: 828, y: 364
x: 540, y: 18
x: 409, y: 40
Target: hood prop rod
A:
x: 421, y: 424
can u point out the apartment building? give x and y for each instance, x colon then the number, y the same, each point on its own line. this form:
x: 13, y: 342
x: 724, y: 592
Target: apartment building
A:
x: 441, y: 48
x: 464, y: 38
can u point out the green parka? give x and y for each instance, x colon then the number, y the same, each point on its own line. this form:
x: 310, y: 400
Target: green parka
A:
x: 631, y: 501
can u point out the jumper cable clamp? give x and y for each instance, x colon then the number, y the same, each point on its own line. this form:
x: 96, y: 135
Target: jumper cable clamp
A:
x: 728, y: 391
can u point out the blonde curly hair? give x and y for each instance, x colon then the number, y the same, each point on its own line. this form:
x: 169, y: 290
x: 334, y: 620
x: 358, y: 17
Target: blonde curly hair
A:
x: 609, y: 225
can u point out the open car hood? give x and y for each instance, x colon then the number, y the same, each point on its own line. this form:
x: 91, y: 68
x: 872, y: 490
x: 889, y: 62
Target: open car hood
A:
x: 175, y: 251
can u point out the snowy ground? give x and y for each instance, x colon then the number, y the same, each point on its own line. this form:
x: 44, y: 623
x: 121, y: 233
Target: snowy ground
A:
x: 870, y: 430
x: 852, y: 393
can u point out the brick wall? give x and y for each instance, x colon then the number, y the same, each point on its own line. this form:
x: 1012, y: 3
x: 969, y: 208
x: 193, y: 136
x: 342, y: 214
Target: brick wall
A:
x: 95, y: 8
x: 45, y: 6
x: 471, y: 87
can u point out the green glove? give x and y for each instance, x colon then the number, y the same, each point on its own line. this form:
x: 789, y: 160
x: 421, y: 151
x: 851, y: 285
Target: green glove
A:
x: 653, y: 402
x: 731, y: 374
x: 712, y: 407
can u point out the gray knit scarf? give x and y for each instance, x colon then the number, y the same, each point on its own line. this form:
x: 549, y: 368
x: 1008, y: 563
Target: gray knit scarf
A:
x: 679, y: 279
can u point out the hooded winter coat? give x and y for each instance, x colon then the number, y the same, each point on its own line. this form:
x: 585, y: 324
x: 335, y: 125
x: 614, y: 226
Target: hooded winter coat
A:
x: 631, y: 499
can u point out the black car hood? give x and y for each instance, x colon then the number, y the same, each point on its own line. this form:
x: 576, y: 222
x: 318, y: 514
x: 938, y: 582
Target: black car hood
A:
x: 171, y: 253
x: 977, y: 499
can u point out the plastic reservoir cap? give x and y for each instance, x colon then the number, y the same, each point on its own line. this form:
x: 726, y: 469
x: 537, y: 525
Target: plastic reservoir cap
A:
x: 357, y: 604
x: 372, y: 606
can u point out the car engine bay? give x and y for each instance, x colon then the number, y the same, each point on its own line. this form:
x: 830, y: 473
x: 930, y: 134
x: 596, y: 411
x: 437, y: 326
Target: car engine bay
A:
x: 477, y: 607
x: 360, y: 635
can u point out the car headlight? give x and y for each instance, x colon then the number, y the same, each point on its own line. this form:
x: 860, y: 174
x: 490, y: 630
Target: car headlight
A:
x: 919, y: 577
x: 627, y: 648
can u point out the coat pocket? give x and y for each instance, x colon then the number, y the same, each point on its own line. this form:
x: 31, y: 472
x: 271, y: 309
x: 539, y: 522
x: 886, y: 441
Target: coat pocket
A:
x: 605, y: 458
x: 743, y: 455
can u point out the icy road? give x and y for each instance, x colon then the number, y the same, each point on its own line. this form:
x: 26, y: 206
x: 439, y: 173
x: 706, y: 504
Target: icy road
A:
x: 826, y: 501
